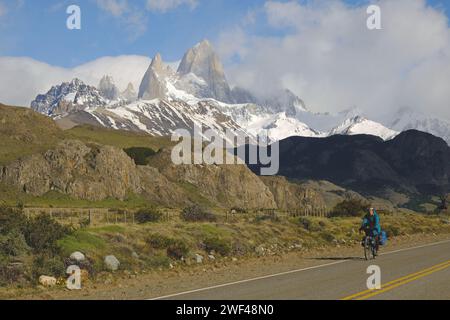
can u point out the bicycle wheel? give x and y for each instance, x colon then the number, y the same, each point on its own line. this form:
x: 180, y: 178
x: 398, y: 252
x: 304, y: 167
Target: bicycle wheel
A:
x: 367, y: 249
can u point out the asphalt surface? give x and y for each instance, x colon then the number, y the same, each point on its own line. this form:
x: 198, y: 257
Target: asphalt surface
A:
x: 414, y: 273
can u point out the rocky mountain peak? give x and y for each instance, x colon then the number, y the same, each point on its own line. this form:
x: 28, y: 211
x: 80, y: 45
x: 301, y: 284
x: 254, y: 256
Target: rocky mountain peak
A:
x: 202, y: 61
x: 108, y: 89
x: 157, y: 63
x: 153, y: 85
x: 68, y: 97
x: 130, y: 93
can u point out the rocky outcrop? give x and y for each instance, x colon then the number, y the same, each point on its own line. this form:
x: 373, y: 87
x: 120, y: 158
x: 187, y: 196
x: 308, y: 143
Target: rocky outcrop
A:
x: 96, y: 172
x: 289, y: 196
x: 229, y: 185
x: 73, y: 168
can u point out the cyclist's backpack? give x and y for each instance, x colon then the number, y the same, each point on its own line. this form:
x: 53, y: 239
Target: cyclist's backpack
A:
x: 383, y: 238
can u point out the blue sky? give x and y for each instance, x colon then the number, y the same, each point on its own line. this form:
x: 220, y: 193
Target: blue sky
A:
x: 37, y: 28
x: 319, y: 49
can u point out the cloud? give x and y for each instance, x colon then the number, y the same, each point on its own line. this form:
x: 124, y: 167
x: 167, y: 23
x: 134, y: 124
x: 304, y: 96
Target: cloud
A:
x: 131, y: 16
x: 167, y: 5
x: 115, y: 7
x: 22, y: 79
x: 323, y: 52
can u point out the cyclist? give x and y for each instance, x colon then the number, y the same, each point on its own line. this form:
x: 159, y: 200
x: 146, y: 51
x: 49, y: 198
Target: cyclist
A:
x: 371, y: 226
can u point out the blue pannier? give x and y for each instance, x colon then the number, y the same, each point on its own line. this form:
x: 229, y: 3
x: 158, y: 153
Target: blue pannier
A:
x: 383, y: 238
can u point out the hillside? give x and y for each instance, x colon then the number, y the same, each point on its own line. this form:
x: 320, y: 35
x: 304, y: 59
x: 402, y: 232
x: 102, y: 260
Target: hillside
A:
x: 93, y: 166
x: 24, y: 132
x: 413, y: 162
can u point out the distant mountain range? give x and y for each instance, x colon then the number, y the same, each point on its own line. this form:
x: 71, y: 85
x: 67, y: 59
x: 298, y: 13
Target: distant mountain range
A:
x: 198, y: 94
x: 412, y: 162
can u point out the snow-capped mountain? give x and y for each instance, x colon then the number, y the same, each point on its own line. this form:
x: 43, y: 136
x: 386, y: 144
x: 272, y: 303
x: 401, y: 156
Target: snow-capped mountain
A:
x: 407, y: 118
x: 159, y: 117
x: 68, y: 97
x: 108, y: 89
x: 361, y: 125
x: 201, y: 62
x: 129, y: 94
x: 198, y: 94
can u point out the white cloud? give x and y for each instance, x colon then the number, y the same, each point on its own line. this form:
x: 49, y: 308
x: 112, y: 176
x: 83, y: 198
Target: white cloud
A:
x: 326, y: 55
x: 22, y: 79
x: 129, y: 15
x: 167, y: 5
x: 115, y: 7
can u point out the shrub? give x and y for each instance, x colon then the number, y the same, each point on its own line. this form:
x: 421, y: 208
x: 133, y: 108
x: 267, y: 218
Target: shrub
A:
x: 158, y: 241
x: 197, y: 214
x: 327, y: 236
x: 392, y: 231
x: 49, y: 266
x: 9, y: 273
x: 13, y: 244
x: 350, y: 208
x: 43, y: 233
x: 140, y: 155
x: 305, y: 223
x: 157, y: 261
x: 177, y: 250
x: 11, y: 220
x: 148, y: 215
x: 218, y: 245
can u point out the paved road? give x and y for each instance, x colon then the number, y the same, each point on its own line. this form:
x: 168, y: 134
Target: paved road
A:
x: 415, y: 273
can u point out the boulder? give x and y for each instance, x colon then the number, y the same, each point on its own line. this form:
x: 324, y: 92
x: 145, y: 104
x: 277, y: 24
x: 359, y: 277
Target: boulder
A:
x: 47, y: 281
x: 77, y: 256
x: 199, y: 258
x: 112, y: 263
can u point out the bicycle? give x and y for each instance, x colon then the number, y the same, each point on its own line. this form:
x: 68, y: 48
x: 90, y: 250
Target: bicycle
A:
x: 370, y: 247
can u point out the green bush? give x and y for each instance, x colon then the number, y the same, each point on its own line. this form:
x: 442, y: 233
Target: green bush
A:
x: 148, y: 215
x: 157, y: 261
x: 327, y: 236
x: 11, y: 220
x: 218, y: 245
x: 13, y: 244
x: 350, y: 208
x: 158, y: 241
x: 48, y: 266
x: 305, y: 223
x: 197, y: 214
x: 43, y: 233
x: 140, y: 155
x: 10, y: 274
x: 392, y: 231
x: 177, y: 250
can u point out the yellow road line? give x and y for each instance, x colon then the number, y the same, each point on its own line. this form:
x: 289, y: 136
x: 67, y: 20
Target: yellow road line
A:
x: 403, y: 283
x: 398, y: 282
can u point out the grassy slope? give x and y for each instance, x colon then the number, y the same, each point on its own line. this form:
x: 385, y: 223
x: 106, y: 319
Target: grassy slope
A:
x: 24, y: 132
x: 242, y: 235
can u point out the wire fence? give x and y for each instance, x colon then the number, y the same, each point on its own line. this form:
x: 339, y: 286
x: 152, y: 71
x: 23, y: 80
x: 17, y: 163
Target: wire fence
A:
x: 107, y: 216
